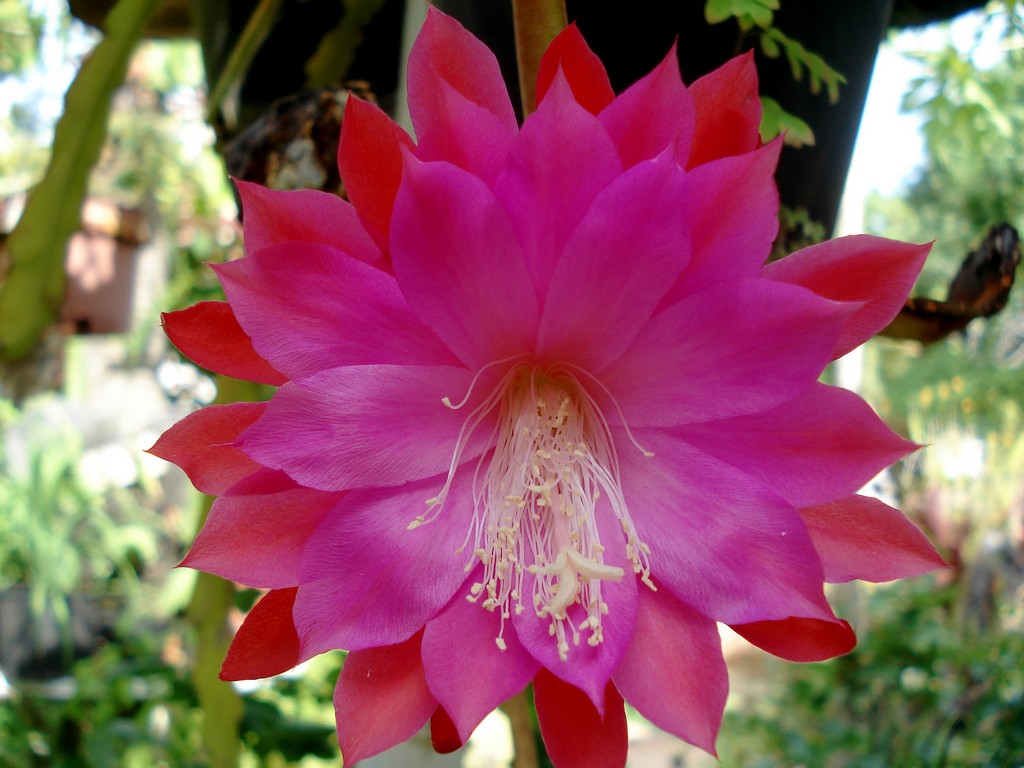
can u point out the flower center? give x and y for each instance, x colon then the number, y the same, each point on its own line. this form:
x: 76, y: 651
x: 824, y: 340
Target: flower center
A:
x: 536, y: 500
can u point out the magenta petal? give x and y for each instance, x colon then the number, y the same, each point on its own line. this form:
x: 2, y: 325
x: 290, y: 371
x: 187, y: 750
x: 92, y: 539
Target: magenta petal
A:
x: 863, y: 538
x: 877, y: 272
x: 370, y: 159
x: 200, y: 445
x: 561, y: 160
x: 652, y: 115
x: 732, y: 349
x: 732, y: 210
x: 464, y: 133
x: 583, y: 71
x: 588, y: 668
x: 381, y: 699
x: 266, y: 644
x: 257, y: 539
x: 610, y: 278
x: 309, y: 307
x: 576, y: 733
x: 825, y: 444
x: 209, y: 335
x: 458, y: 262
x: 446, y: 54
x: 466, y: 672
x: 800, y: 639
x: 674, y: 672
x: 728, y: 111
x: 720, y: 541
x: 272, y: 217
x: 367, y: 580
x: 366, y: 426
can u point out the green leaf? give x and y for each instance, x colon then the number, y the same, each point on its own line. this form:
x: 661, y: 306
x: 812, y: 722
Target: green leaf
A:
x: 761, y: 12
x: 748, y: 13
x: 769, y: 47
x: 34, y: 286
x: 334, y: 56
x: 819, y: 73
x: 776, y: 121
x: 717, y: 11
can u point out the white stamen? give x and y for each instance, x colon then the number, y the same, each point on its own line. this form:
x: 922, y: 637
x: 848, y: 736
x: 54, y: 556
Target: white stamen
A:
x: 535, y: 500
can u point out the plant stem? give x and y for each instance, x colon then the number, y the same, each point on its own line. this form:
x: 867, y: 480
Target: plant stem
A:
x: 246, y: 47
x: 537, y: 23
x: 33, y: 286
x: 212, y: 600
x: 524, y: 744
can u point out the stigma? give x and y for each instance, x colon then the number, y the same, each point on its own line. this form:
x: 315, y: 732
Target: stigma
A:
x: 536, y: 504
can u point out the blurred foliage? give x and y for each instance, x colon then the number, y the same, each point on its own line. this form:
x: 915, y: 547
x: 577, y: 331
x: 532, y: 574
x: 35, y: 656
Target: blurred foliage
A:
x: 160, y: 156
x: 973, y: 120
x: 24, y: 34
x: 920, y: 690
x: 64, y: 532
x: 33, y: 285
x: 132, y: 706
x: 971, y: 179
x: 20, y: 29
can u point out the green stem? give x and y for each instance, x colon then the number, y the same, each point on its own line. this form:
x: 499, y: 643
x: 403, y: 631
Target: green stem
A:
x: 248, y: 44
x: 219, y: 701
x: 524, y: 742
x: 537, y: 23
x: 208, y: 612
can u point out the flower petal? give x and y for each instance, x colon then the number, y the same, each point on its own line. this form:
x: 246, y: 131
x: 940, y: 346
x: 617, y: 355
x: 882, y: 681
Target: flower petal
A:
x: 200, y: 445
x: 732, y: 349
x: 444, y: 738
x: 258, y: 538
x: 575, y: 734
x: 370, y: 160
x: 367, y: 426
x: 588, y: 668
x: 561, y: 160
x: 381, y: 699
x: 459, y: 264
x: 450, y: 70
x: 309, y: 307
x: 610, y: 278
x: 728, y: 111
x: 466, y: 672
x: 822, y: 445
x: 800, y: 639
x: 652, y: 115
x: 732, y: 213
x: 863, y: 538
x: 367, y: 580
x: 674, y: 673
x: 209, y: 335
x: 583, y: 71
x: 266, y: 644
x: 272, y: 217
x: 463, y: 133
x: 720, y: 541
x: 877, y: 272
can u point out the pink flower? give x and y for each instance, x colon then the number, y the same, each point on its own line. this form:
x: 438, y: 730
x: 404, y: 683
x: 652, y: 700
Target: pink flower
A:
x: 545, y: 415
